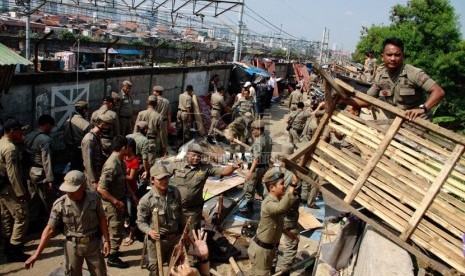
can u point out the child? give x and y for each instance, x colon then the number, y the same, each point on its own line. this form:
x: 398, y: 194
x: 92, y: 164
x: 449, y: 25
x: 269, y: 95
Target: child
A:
x: 132, y: 166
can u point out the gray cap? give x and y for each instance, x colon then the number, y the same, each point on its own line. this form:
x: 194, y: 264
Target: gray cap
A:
x: 272, y: 175
x: 258, y: 124
x: 152, y: 98
x: 127, y: 83
x: 159, y: 171
x: 158, y: 88
x: 194, y: 147
x: 106, y: 118
x: 73, y: 180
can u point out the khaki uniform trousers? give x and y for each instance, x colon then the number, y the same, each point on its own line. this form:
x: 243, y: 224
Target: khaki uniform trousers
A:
x: 14, y: 217
x: 154, y: 147
x: 126, y: 125
x: 250, y: 186
x: 164, y: 135
x: 216, y: 116
x: 115, y: 226
x: 289, y: 249
x: 196, y: 216
x: 182, y: 118
x: 167, y: 246
x: 76, y: 253
x: 294, y: 135
x: 261, y: 259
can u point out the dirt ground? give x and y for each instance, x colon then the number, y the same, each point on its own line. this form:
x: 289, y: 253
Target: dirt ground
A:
x: 53, y: 258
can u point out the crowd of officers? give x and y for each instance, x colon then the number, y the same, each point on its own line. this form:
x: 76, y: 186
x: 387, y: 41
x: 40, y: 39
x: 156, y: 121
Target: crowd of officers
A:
x: 98, y: 186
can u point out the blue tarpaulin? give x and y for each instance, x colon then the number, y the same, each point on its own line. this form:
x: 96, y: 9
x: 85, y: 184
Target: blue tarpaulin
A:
x: 128, y: 52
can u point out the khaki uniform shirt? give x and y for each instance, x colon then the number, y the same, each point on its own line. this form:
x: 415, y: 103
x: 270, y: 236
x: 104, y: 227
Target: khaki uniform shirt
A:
x: 245, y: 106
x: 104, y: 110
x: 74, y: 130
x: 191, y: 180
x: 299, y: 118
x: 143, y: 115
x: 92, y: 154
x: 10, y: 167
x: 154, y: 120
x: 185, y: 101
x: 171, y: 218
x: 295, y: 97
x: 80, y: 219
x: 217, y: 101
x: 405, y: 90
x: 113, y: 178
x: 126, y: 107
x: 142, y: 145
x: 370, y: 64
x: 40, y: 147
x: 163, y: 107
x: 261, y: 149
x: 270, y: 227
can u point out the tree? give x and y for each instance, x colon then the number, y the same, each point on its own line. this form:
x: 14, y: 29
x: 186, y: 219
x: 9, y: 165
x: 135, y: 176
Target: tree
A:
x: 431, y: 35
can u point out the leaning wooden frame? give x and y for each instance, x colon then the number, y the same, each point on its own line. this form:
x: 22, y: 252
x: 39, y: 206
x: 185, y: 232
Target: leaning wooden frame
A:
x: 410, y: 175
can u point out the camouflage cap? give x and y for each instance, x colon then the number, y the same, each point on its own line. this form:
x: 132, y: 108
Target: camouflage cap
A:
x: 159, y: 172
x: 272, y: 175
x: 158, y: 88
x: 80, y: 104
x: 127, y: 83
x: 73, y: 180
x: 105, y: 117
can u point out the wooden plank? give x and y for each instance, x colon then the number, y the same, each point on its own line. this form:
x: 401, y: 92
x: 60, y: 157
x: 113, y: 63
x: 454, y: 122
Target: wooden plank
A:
x: 432, y: 192
x: 374, y: 160
x: 215, y: 187
x: 307, y: 221
x: 401, y: 113
x: 198, y: 116
x: 331, y: 81
x: 302, y: 173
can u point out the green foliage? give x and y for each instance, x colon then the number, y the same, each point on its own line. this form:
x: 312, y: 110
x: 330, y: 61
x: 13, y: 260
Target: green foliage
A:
x: 431, y: 35
x: 137, y: 43
x: 279, y: 53
x: 65, y: 35
x: 168, y: 44
x: 84, y: 38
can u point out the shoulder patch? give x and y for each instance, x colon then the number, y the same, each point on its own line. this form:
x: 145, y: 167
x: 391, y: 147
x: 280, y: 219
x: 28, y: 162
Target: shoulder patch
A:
x: 422, y: 78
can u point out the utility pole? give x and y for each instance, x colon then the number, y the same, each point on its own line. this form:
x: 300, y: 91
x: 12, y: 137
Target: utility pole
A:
x: 28, y: 29
x: 324, y: 46
x: 238, y: 33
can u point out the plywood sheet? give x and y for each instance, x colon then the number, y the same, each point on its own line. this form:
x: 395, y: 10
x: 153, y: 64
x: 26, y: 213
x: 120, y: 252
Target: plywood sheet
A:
x: 198, y: 116
x: 216, y: 187
x: 307, y: 221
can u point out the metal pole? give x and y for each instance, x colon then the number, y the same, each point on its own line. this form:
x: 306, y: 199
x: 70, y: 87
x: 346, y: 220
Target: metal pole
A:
x: 322, y: 46
x: 238, y: 34
x: 28, y: 30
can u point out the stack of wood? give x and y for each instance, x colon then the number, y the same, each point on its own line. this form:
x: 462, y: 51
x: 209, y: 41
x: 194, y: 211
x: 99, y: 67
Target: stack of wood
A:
x: 410, y: 175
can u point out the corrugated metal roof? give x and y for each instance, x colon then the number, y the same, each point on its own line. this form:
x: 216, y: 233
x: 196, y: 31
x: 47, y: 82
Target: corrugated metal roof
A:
x: 8, y: 57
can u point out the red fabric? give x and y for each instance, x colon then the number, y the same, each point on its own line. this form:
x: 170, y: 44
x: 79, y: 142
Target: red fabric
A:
x: 132, y: 164
x: 301, y: 72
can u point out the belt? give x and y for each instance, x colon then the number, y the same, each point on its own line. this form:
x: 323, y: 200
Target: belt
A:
x: 293, y: 103
x: 265, y: 245
x: 151, y: 137
x: 298, y: 130
x: 216, y: 109
x: 262, y: 166
x: 168, y: 236
x: 182, y: 110
x: 35, y: 165
x: 82, y: 240
x: 125, y: 117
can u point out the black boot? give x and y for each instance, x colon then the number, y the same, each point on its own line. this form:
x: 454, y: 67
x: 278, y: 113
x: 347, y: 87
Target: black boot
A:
x: 114, y: 261
x: 16, y: 254
x: 248, y: 208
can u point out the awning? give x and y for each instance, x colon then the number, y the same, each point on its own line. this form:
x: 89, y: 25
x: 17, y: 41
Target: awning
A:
x: 128, y: 52
x: 87, y: 50
x: 9, y: 57
x: 110, y: 51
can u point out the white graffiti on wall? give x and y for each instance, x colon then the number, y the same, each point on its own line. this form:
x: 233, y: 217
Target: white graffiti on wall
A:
x: 42, y: 105
x: 63, y: 100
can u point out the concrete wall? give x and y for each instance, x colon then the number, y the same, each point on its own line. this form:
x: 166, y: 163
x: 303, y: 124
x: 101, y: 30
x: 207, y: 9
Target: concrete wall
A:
x: 55, y: 93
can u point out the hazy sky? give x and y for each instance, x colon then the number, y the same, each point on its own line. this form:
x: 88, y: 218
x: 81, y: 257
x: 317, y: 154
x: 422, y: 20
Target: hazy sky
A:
x: 308, y: 18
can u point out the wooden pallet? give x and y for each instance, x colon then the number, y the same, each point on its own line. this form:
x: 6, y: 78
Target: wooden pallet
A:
x: 410, y: 175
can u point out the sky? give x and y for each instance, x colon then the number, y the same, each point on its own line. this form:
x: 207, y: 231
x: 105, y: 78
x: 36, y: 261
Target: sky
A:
x: 308, y: 18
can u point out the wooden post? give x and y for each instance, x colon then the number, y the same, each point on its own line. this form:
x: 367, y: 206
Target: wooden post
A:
x: 374, y: 160
x: 235, y: 267
x: 302, y: 173
x: 156, y: 226
x: 432, y: 192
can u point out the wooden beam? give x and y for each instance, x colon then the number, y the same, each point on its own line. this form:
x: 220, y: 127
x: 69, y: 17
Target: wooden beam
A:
x: 432, y: 192
x: 302, y: 173
x: 401, y: 113
x: 374, y: 160
x: 341, y: 92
